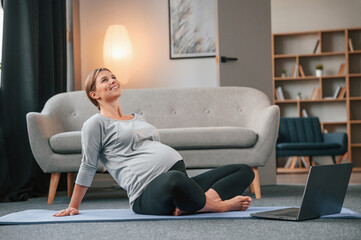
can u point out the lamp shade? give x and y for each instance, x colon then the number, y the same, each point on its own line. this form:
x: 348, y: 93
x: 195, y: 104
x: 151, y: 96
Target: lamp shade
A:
x: 118, y: 52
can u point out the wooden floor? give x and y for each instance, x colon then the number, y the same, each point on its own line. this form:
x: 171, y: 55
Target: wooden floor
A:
x: 301, y: 178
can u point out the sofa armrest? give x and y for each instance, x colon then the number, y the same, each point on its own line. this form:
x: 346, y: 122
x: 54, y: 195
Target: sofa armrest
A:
x: 40, y: 128
x: 336, y: 137
x: 265, y: 123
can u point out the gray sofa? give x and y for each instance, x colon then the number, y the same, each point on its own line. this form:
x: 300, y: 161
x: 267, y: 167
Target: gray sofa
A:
x: 209, y: 127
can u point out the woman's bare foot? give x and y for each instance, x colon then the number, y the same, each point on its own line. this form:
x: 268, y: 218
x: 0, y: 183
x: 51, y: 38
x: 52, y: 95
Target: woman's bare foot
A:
x: 238, y: 203
x: 215, y: 204
x: 178, y: 212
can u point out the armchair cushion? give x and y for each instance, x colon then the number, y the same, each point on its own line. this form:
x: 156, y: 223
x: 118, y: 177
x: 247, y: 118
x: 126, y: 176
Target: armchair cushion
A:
x: 66, y: 142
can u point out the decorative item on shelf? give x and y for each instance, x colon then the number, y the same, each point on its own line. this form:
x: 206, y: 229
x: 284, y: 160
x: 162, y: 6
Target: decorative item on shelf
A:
x: 319, y: 69
x: 350, y: 46
x: 316, y: 46
x: 279, y: 93
x: 283, y: 74
x: 118, y: 52
x: 299, y: 96
x: 316, y: 94
x: 341, y: 70
x: 304, y: 113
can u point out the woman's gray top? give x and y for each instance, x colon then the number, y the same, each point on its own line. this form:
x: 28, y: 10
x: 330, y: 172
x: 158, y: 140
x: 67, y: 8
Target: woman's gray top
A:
x: 129, y: 149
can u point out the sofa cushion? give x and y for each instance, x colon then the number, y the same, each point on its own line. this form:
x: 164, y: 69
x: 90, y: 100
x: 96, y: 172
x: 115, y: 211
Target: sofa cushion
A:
x: 178, y: 138
x: 306, y: 146
x: 208, y: 137
x: 67, y: 142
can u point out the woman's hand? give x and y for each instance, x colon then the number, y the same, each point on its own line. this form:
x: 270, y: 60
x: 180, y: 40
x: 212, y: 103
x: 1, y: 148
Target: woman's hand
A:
x: 66, y: 212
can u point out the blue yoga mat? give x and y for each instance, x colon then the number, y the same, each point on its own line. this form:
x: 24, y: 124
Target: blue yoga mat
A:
x: 40, y: 216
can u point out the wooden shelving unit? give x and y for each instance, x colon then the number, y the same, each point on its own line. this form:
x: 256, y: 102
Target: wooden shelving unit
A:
x: 336, y: 114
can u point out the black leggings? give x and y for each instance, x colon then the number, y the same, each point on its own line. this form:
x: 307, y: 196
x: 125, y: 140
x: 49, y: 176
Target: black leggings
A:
x: 175, y: 189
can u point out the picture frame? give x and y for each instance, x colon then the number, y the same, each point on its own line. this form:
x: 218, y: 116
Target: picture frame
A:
x: 192, y: 28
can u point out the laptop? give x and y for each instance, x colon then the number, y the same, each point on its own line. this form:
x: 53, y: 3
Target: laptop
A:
x: 323, y: 195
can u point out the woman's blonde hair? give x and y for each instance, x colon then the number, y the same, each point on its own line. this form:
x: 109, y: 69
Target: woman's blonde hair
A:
x: 90, y: 84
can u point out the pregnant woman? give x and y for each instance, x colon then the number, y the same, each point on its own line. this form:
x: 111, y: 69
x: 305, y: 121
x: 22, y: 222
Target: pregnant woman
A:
x: 152, y: 173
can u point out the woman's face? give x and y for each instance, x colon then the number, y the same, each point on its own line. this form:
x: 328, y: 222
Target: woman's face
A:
x: 107, y: 87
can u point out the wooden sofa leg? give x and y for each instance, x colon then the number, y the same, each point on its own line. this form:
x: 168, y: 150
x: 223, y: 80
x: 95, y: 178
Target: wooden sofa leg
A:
x: 54, y: 180
x: 255, y: 185
x: 70, y: 183
x: 251, y: 188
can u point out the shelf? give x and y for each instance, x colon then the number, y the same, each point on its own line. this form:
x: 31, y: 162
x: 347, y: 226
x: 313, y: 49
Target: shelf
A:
x: 295, y: 78
x: 284, y: 56
x: 334, y: 123
x: 312, y: 54
x: 333, y: 76
x: 307, y: 78
x: 354, y: 52
x: 286, y: 101
x: 296, y: 49
x: 323, y: 100
x: 313, y: 32
x: 355, y: 75
x: 355, y: 98
x: 310, y: 100
x: 322, y: 54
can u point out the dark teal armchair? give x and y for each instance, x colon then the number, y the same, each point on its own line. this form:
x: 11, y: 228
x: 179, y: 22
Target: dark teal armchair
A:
x: 303, y: 137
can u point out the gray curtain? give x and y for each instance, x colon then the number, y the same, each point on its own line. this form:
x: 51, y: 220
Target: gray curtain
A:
x: 33, y: 70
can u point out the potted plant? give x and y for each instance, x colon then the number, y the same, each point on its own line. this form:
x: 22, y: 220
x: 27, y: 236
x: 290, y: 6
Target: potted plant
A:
x: 319, y: 69
x: 299, y: 95
x: 283, y: 74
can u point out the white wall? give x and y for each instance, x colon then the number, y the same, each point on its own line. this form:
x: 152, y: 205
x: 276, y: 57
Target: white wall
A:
x: 313, y: 15
x: 148, y: 26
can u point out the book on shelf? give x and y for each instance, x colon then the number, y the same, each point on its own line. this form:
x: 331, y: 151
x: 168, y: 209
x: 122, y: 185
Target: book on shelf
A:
x: 316, y: 94
x: 342, y: 93
x: 294, y: 72
x: 304, y: 113
x: 279, y: 93
x: 302, y: 73
x: 350, y: 46
x: 316, y: 46
x: 337, y: 91
x: 342, y: 69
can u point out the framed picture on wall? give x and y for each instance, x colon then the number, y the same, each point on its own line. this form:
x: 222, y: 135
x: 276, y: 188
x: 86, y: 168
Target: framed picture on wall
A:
x: 192, y: 28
